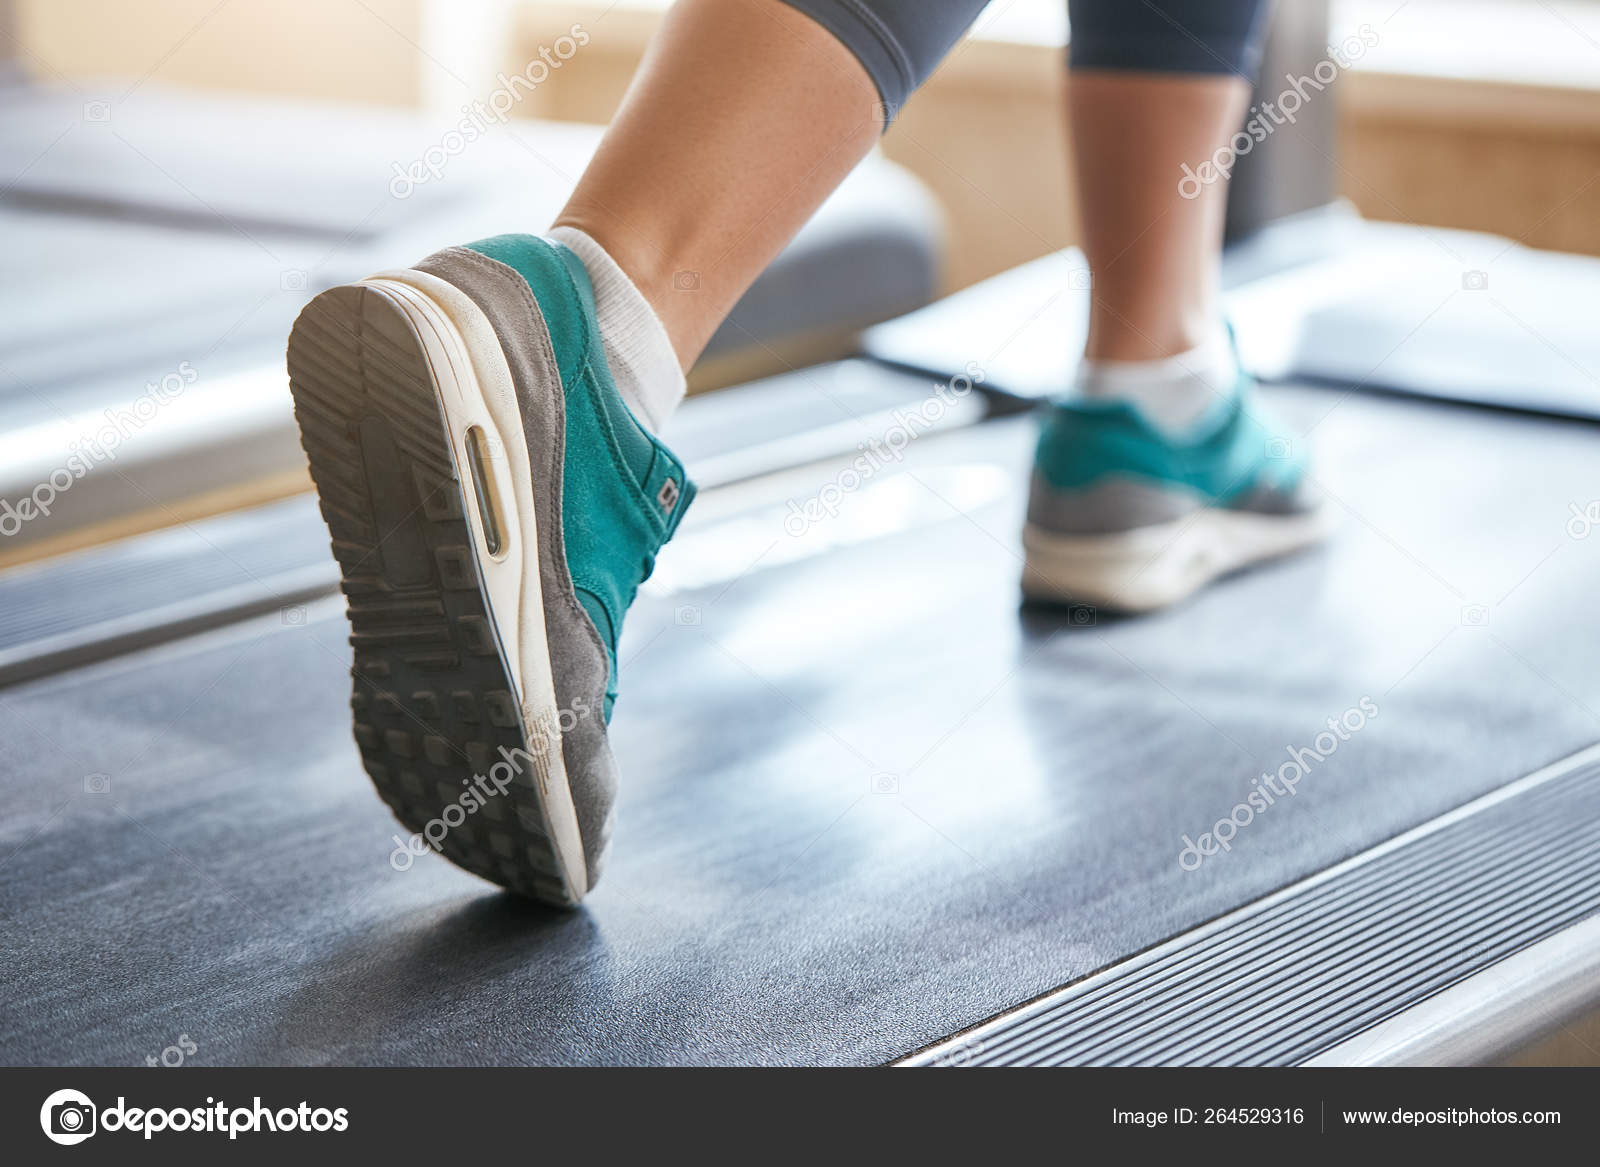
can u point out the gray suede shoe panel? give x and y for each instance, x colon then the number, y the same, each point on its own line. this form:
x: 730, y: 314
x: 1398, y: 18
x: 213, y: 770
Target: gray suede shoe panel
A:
x: 1299, y: 499
x: 578, y: 660
x: 1109, y: 507
x: 1113, y: 505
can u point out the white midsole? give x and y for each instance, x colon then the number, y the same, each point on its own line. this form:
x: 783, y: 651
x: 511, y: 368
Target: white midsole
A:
x: 476, y: 389
x: 1150, y: 567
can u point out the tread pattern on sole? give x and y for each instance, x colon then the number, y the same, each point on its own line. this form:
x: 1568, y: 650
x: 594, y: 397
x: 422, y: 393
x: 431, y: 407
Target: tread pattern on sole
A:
x: 433, y: 703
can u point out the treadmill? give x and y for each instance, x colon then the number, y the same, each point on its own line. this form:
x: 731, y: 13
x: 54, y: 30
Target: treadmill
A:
x: 875, y: 810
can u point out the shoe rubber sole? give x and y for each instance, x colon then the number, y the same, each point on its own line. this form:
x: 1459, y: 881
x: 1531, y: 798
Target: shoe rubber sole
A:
x: 409, y: 420
x: 1151, y: 567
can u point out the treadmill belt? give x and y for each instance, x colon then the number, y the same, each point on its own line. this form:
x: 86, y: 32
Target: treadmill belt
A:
x: 868, y: 801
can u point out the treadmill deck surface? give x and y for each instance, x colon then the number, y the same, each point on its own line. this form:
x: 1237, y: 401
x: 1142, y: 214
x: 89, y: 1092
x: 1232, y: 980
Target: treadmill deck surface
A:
x: 869, y: 800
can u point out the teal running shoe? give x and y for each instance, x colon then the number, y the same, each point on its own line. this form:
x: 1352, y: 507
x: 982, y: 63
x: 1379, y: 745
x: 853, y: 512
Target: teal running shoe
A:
x: 1125, y: 518
x: 494, y: 507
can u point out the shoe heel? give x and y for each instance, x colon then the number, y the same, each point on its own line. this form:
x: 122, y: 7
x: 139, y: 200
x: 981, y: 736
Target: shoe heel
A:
x: 434, y: 703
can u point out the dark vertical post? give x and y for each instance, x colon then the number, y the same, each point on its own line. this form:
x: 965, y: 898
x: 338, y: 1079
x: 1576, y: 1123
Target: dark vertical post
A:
x: 1293, y: 168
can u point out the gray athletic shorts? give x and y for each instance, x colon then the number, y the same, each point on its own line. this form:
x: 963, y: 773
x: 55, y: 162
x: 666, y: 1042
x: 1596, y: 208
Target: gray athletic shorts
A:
x: 900, y: 41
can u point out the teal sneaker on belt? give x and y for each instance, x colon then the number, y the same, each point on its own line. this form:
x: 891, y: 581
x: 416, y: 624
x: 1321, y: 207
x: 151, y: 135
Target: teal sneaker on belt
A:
x: 1126, y: 518
x: 494, y: 507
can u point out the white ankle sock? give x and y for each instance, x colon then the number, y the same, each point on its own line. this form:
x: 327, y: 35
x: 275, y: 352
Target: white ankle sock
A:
x: 1173, y: 392
x: 638, y: 350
